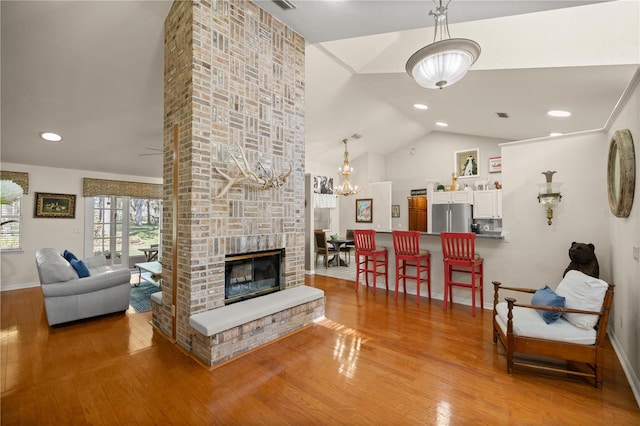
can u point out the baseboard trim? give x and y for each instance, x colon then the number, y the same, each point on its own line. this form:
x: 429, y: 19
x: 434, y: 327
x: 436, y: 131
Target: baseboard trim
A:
x: 626, y: 366
x: 19, y: 286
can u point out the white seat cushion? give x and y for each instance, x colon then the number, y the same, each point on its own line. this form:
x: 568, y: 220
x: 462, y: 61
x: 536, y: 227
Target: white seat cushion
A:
x: 528, y: 323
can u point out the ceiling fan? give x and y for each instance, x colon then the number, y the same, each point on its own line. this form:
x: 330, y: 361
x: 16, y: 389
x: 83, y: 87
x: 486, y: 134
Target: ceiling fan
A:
x: 158, y: 152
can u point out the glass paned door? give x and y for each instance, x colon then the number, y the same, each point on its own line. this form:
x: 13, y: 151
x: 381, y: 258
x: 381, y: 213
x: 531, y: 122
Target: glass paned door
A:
x: 125, y: 229
x: 108, y: 229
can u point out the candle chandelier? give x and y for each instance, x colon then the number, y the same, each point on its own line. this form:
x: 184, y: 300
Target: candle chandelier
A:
x: 346, y: 188
x: 445, y: 61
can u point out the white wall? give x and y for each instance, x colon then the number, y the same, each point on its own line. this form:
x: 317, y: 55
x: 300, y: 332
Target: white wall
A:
x: 623, y: 268
x: 380, y: 193
x: 19, y: 268
x: 537, y: 253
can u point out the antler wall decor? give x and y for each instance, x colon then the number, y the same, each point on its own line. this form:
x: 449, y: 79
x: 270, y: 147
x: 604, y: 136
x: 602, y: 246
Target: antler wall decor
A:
x: 265, y: 181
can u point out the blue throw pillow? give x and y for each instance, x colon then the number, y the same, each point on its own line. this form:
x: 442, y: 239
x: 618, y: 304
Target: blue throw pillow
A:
x: 69, y: 256
x: 547, y: 297
x: 80, y: 268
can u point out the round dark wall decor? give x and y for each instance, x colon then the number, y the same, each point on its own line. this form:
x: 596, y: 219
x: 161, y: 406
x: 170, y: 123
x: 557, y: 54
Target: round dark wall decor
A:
x: 621, y: 173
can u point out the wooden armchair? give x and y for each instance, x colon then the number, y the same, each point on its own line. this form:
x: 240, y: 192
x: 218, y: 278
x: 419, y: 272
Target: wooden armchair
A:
x: 515, y: 325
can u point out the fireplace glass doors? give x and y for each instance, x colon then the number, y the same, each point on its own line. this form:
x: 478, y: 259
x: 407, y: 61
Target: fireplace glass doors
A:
x: 251, y: 275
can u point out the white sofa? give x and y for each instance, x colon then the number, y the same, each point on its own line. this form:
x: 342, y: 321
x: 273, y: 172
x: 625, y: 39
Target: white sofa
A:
x: 68, y: 297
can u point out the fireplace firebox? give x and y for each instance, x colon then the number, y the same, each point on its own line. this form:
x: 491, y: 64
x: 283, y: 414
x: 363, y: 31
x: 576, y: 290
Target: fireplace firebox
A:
x: 250, y: 275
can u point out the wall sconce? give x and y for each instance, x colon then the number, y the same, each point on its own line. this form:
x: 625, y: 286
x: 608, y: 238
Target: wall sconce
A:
x: 549, y: 194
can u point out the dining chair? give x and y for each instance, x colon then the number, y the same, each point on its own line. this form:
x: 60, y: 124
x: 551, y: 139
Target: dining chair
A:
x: 347, y: 248
x: 369, y: 258
x: 458, y: 252
x: 406, y: 245
x: 322, y: 247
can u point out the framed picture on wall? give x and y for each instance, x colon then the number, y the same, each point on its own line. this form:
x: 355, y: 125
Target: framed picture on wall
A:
x: 55, y: 205
x: 364, y: 210
x: 322, y: 185
x: 466, y: 163
x: 395, y: 210
x: 495, y: 164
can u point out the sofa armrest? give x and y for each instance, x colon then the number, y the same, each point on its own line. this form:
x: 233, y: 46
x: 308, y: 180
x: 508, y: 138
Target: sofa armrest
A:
x: 95, y: 261
x: 89, y: 284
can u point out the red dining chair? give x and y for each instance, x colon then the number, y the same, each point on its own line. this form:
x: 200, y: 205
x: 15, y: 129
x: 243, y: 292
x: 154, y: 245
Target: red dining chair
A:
x: 458, y: 252
x: 406, y: 245
x: 369, y: 258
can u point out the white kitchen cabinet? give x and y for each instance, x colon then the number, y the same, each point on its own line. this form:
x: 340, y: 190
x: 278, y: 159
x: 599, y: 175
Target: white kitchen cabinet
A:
x: 449, y: 197
x: 487, y: 204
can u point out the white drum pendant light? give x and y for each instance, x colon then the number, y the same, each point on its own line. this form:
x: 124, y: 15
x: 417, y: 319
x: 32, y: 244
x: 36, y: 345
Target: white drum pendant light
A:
x: 443, y: 62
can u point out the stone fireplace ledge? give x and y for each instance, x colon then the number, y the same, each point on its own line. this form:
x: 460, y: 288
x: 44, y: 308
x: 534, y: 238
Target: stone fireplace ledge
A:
x: 227, y: 317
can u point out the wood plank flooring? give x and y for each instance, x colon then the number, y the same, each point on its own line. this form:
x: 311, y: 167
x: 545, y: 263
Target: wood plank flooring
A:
x: 372, y: 360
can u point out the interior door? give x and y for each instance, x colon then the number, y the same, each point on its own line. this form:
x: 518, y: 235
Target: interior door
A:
x: 417, y: 214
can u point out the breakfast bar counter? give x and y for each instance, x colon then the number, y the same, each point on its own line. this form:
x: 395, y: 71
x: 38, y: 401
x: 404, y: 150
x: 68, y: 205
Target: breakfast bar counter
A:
x: 488, y: 246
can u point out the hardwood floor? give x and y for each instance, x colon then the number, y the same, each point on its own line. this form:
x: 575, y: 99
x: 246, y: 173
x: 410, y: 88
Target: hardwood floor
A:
x: 371, y: 361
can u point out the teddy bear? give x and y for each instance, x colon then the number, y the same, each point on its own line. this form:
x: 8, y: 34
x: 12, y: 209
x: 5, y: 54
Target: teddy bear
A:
x: 583, y: 259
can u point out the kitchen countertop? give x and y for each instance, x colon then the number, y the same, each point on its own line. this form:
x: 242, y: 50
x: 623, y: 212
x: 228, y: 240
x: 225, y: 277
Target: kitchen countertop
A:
x: 487, y: 235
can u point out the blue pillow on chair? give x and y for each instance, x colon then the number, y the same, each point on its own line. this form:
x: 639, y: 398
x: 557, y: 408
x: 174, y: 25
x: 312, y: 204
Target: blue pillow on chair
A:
x: 69, y: 256
x: 80, y: 268
x: 547, y: 297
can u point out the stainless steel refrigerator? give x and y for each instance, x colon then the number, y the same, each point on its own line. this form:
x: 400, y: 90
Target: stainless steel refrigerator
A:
x: 451, y: 217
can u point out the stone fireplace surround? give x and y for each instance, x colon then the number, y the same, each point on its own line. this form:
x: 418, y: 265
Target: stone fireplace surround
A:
x: 233, y: 75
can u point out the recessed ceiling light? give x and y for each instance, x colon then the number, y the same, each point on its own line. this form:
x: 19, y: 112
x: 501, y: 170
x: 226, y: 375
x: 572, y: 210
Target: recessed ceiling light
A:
x: 420, y: 106
x: 559, y: 113
x: 555, y: 134
x: 51, y: 137
x: 441, y: 124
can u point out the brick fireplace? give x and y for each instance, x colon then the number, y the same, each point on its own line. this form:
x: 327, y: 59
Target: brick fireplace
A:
x: 234, y: 76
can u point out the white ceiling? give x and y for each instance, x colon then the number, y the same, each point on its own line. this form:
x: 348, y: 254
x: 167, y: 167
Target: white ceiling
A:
x: 92, y: 71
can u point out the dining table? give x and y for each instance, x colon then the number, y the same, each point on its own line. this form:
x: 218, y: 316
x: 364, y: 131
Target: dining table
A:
x: 337, y: 243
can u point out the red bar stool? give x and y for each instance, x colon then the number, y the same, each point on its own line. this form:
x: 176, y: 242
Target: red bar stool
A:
x: 369, y: 258
x: 406, y: 245
x: 458, y: 252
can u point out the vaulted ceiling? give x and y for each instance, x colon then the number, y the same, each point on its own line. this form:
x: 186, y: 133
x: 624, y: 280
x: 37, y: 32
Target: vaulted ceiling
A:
x: 92, y: 71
